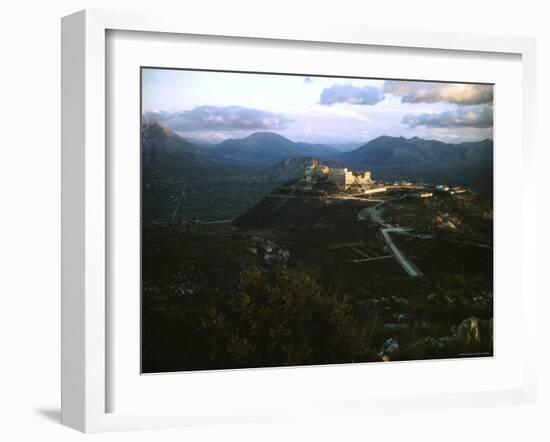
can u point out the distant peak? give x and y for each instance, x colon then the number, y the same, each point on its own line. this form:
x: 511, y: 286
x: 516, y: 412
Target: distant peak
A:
x: 401, y: 139
x: 384, y: 139
x: 159, y: 130
x: 154, y: 127
x: 265, y: 134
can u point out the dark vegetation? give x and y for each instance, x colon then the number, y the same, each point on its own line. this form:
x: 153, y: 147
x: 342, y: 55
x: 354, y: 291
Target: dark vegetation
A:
x: 268, y: 291
x: 272, y: 286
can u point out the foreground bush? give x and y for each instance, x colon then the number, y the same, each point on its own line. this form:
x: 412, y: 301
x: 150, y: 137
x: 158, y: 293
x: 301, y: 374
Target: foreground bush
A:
x: 283, y: 318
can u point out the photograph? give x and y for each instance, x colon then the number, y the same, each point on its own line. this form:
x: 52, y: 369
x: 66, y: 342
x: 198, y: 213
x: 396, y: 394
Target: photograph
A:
x: 292, y: 219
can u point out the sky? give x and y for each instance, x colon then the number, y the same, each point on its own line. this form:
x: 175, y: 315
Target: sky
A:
x: 214, y: 106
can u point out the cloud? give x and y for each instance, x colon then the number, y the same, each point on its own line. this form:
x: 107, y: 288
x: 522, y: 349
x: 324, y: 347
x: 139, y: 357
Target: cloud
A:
x: 464, y: 116
x: 346, y: 93
x: 420, y: 92
x: 335, y: 112
x: 156, y: 116
x: 214, y: 118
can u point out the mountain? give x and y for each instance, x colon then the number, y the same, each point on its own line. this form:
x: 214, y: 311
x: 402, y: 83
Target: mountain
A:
x: 316, y: 150
x: 159, y: 140
x: 166, y: 153
x: 175, y: 169
x: 392, y: 151
x: 210, y: 186
x: 262, y: 148
x: 417, y: 159
x: 346, y: 147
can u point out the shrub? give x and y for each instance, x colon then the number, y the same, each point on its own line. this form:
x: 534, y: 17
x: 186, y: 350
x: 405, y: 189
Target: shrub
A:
x: 283, y: 318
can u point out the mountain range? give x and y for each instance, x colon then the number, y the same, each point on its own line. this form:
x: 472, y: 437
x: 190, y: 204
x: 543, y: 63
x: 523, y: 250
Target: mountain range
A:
x: 238, y: 172
x: 431, y: 161
x: 263, y: 156
x: 215, y: 186
x: 269, y: 148
x: 262, y: 148
x: 400, y: 151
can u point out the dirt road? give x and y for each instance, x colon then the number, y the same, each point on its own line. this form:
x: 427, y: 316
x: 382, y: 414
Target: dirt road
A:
x: 374, y: 213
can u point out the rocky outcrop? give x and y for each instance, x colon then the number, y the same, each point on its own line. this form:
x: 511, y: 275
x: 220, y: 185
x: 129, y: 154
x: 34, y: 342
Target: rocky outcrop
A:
x: 389, y: 348
x: 468, y: 333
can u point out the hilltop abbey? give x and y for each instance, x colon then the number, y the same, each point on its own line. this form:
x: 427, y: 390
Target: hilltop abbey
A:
x: 341, y: 176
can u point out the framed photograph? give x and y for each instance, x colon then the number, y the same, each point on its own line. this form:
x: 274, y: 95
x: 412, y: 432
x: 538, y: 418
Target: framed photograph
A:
x: 265, y: 224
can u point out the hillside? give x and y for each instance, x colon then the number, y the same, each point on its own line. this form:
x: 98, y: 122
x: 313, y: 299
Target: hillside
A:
x: 159, y: 140
x: 416, y: 159
x: 466, y: 216
x: 399, y: 151
x: 309, y: 253
x: 209, y: 187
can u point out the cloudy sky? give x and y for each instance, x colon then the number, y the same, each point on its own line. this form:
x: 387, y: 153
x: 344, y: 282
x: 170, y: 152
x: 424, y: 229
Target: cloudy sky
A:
x: 213, y: 106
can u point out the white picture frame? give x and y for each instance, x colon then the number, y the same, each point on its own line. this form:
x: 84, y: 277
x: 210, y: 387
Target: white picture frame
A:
x: 85, y: 202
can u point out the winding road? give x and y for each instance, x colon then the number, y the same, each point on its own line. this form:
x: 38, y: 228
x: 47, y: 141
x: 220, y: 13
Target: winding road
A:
x: 369, y: 212
x: 410, y: 268
x: 406, y: 263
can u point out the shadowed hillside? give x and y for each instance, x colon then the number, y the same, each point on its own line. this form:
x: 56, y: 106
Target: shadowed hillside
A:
x: 183, y: 181
x: 430, y: 161
x: 303, y: 278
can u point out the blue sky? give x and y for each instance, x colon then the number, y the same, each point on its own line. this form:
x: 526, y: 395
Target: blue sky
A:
x: 213, y: 106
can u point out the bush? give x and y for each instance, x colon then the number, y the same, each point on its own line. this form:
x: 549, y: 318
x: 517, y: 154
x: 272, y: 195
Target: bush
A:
x: 283, y: 318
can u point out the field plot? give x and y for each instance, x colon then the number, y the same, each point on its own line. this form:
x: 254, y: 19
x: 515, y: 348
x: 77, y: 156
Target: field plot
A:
x: 437, y: 256
x: 359, y: 252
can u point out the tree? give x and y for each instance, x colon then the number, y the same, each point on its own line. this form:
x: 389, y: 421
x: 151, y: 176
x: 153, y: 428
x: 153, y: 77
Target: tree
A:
x: 283, y: 318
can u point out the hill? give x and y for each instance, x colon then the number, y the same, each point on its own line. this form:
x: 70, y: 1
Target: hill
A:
x: 208, y: 186
x: 347, y: 251
x: 158, y: 139
x: 262, y: 148
x: 417, y: 159
x: 398, y: 151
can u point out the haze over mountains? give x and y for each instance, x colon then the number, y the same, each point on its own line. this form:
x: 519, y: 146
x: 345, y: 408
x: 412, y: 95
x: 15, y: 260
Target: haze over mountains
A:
x: 263, y: 154
x: 263, y: 148
x: 407, y: 155
x: 247, y: 168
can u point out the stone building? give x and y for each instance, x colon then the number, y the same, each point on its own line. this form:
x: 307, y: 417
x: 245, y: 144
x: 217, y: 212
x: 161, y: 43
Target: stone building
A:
x: 344, y: 178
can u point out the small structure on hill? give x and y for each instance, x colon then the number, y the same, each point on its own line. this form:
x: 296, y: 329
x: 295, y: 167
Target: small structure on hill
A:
x: 344, y: 178
x: 341, y: 176
x: 314, y: 171
x: 457, y: 189
x: 375, y: 190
